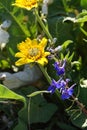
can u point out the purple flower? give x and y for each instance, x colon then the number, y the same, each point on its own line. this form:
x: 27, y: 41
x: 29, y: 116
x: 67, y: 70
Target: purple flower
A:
x: 67, y: 92
x: 60, y: 68
x: 53, y: 86
x: 60, y: 84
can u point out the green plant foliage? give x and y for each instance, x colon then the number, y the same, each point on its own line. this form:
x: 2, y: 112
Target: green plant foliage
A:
x: 32, y: 107
x: 5, y: 93
x: 84, y: 4
x: 66, y: 126
x: 41, y: 111
x: 21, y: 26
x: 78, y: 118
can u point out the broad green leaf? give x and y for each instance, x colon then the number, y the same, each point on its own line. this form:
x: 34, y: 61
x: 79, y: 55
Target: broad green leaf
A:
x: 21, y: 126
x: 81, y: 121
x: 40, y: 110
x: 5, y: 93
x: 64, y: 126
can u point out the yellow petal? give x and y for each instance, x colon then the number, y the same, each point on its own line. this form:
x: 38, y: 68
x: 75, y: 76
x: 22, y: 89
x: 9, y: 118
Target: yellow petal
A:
x: 28, y: 41
x: 46, y: 54
x: 22, y: 46
x: 29, y: 60
x: 21, y: 61
x: 19, y: 54
x: 34, y: 42
x: 43, y: 42
x: 26, y: 4
x: 42, y: 61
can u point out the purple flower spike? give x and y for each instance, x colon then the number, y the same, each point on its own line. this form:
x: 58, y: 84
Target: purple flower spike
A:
x: 67, y: 92
x: 60, y: 84
x: 60, y: 68
x: 52, y: 87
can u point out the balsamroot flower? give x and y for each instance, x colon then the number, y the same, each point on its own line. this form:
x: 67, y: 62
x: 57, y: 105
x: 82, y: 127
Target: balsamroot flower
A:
x: 27, y: 4
x: 32, y: 51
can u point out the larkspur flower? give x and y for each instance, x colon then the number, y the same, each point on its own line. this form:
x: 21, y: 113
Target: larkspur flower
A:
x: 60, y: 69
x: 52, y: 87
x: 67, y: 92
x: 32, y: 51
x: 60, y: 84
x: 27, y: 4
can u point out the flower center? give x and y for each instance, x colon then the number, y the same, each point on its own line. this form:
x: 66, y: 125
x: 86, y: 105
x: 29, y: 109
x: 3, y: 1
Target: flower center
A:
x: 33, y: 52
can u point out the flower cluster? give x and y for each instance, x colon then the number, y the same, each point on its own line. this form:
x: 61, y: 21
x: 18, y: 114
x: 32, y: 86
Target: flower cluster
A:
x: 33, y: 51
x: 61, y: 84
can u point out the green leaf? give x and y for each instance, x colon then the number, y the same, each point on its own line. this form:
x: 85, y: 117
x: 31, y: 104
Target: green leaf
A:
x: 64, y: 126
x: 40, y: 110
x: 21, y: 126
x: 81, y: 121
x: 82, y: 20
x: 84, y: 3
x: 5, y: 93
x: 66, y: 43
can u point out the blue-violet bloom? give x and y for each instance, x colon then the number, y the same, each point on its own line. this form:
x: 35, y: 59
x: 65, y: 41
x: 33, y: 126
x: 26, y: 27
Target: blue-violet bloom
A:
x: 60, y: 84
x: 60, y: 68
x: 52, y: 87
x: 67, y: 92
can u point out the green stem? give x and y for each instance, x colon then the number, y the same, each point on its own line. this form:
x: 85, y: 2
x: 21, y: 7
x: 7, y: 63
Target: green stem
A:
x: 45, y: 74
x: 43, y: 26
x: 57, y: 93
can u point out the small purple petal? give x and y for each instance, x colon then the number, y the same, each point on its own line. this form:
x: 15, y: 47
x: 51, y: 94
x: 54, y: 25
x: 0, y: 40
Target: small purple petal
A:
x: 52, y: 87
x: 60, y: 69
x: 67, y: 92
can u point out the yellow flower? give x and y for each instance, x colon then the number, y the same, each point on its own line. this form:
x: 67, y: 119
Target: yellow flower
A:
x: 27, y: 4
x: 32, y: 51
